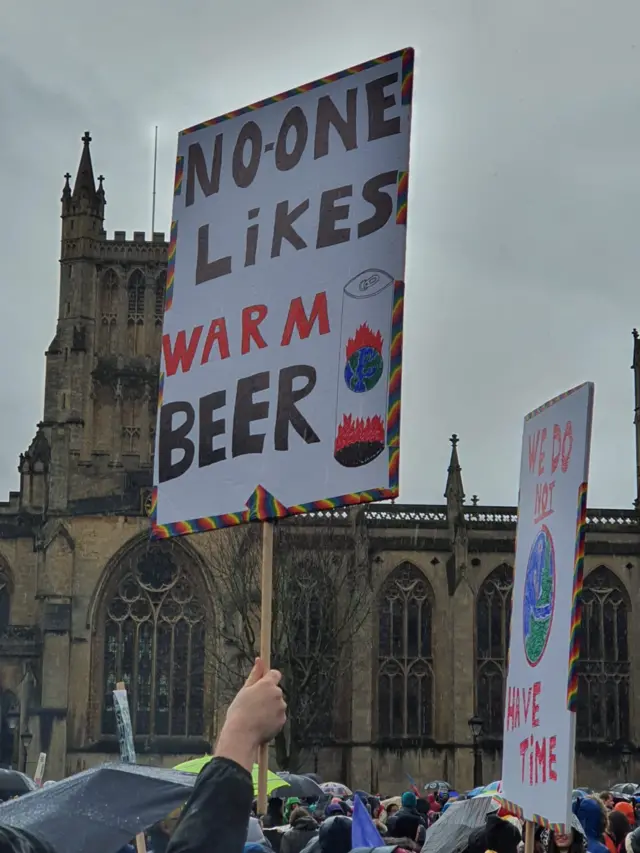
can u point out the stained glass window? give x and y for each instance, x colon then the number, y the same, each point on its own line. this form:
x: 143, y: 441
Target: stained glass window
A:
x: 154, y: 641
x: 405, y: 657
x: 493, y: 614
x: 603, y: 668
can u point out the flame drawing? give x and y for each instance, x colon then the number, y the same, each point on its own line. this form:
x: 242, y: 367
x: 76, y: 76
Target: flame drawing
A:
x: 359, y: 431
x: 364, y: 337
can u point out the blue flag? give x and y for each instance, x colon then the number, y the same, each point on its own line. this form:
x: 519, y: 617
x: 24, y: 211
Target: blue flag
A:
x: 363, y: 829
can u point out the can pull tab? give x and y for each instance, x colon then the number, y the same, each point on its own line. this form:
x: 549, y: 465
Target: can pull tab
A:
x: 366, y: 283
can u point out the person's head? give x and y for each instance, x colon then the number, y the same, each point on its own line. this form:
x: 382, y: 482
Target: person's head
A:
x: 409, y: 800
x: 607, y: 798
x: 274, y: 806
x: 335, y: 807
x: 592, y: 815
x: 563, y: 840
x: 335, y: 835
x: 297, y: 813
x: 627, y: 810
x: 392, y: 808
x: 618, y: 826
x: 289, y: 806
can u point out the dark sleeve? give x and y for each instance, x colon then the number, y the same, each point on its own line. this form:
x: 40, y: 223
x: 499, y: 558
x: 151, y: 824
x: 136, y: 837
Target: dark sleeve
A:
x: 216, y: 816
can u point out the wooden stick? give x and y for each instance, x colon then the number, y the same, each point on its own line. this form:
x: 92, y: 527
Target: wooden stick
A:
x: 265, y: 647
x: 529, y: 836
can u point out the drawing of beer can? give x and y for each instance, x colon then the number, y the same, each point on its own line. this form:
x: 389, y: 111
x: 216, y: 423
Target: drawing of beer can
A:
x: 363, y: 373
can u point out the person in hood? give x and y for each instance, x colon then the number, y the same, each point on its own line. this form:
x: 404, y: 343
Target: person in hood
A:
x: 302, y: 829
x: 617, y: 830
x: 497, y: 834
x: 627, y: 810
x: 592, y: 814
x: 407, y: 820
x: 334, y: 836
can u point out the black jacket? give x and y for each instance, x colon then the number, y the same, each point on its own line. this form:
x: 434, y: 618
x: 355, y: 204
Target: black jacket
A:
x: 296, y: 839
x: 405, y: 823
x: 216, y: 817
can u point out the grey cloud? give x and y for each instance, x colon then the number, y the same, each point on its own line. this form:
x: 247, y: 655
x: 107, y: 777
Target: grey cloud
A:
x: 524, y: 259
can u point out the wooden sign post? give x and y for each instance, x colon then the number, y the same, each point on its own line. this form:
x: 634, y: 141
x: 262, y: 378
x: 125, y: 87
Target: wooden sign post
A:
x: 266, y: 609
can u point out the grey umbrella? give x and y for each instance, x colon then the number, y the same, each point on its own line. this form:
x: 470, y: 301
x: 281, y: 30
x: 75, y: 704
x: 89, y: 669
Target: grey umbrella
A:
x: 99, y: 809
x: 13, y: 783
x: 450, y: 834
x: 301, y: 786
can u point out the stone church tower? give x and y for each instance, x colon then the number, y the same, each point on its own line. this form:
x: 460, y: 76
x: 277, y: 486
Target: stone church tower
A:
x: 87, y: 600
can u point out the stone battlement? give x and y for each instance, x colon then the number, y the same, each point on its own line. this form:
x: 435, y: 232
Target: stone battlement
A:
x: 137, y: 237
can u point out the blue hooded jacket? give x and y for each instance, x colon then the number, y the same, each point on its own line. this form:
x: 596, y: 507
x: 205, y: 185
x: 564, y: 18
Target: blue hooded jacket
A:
x: 589, y: 813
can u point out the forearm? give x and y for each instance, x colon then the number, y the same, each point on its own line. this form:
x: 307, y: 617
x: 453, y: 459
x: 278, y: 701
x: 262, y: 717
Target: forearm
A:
x: 235, y: 746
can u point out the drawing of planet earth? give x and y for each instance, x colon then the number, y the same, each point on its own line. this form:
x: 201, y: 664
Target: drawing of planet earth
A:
x: 539, y: 596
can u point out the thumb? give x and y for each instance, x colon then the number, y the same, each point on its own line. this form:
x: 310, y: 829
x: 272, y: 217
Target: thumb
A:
x: 256, y: 673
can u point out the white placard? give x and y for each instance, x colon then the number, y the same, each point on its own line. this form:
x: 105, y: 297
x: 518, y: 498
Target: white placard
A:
x: 539, y: 729
x: 125, y: 729
x: 282, y: 335
x: 40, y: 767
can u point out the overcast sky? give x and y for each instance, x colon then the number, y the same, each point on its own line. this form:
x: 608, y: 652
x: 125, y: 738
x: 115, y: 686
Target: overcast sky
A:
x: 523, y: 273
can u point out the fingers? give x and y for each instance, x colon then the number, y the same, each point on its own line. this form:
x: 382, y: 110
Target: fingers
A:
x: 274, y: 676
x: 256, y: 673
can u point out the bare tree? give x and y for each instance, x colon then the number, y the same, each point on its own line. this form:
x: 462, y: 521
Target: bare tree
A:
x: 321, y: 597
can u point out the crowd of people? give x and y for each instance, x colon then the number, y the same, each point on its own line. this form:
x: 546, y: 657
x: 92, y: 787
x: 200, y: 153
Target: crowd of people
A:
x: 220, y: 814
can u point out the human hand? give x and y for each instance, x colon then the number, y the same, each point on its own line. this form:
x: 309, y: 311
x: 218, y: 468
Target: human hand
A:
x: 256, y: 715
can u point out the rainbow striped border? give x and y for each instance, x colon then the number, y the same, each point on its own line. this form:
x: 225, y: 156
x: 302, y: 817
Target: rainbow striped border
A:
x: 263, y: 506
x: 516, y: 810
x: 553, y: 401
x: 171, y: 266
x: 407, y: 55
x: 576, y: 600
x: 179, y: 175
x: 402, y: 196
x: 395, y: 385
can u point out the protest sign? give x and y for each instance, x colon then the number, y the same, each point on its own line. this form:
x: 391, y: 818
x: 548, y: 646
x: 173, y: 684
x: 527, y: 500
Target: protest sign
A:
x: 540, y: 702
x: 282, y: 335
x: 123, y: 723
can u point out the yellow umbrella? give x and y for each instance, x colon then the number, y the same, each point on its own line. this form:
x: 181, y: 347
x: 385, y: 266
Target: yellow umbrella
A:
x: 195, y: 765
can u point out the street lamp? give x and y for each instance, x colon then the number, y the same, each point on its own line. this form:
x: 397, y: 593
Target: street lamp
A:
x: 475, y: 726
x: 13, y: 718
x: 626, y: 757
x: 26, y: 737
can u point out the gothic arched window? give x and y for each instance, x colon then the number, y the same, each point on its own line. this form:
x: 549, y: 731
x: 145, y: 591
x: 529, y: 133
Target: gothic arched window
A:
x: 603, y: 668
x: 108, y: 309
x: 161, y: 286
x: 311, y: 604
x: 136, y: 291
x: 5, y: 599
x: 405, y: 655
x: 154, y: 641
x: 493, y: 615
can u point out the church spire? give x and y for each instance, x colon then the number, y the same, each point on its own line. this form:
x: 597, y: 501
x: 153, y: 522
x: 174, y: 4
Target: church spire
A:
x: 454, y: 492
x: 85, y: 182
